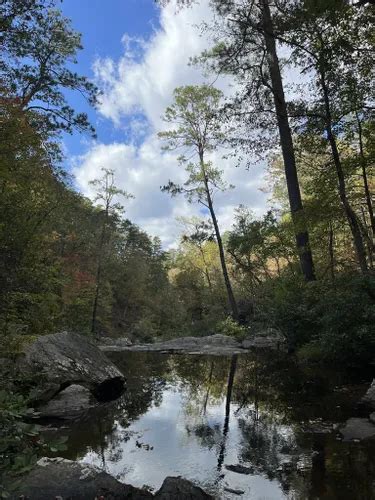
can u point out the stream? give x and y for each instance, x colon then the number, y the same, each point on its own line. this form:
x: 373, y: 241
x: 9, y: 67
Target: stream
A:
x: 255, y: 426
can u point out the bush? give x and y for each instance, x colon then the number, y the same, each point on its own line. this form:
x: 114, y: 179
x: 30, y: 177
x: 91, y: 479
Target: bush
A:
x: 335, y: 319
x: 231, y: 328
x: 20, y: 442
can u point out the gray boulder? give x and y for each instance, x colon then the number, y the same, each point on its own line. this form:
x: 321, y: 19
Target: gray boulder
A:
x: 174, y: 488
x: 60, y: 478
x: 369, y: 398
x: 63, y: 359
x: 68, y: 404
x: 212, y: 344
x: 358, y: 429
x: 118, y: 342
x: 270, y: 338
x: 57, y: 477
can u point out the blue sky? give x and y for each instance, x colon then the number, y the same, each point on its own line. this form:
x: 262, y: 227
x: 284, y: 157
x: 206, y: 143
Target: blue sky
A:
x: 102, y: 24
x: 138, y: 53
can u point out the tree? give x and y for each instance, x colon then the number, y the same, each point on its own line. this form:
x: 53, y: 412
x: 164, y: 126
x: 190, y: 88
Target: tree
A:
x: 106, y: 194
x: 245, y: 47
x: 286, y: 141
x: 199, y: 131
x: 197, y: 233
x: 38, y: 46
x: 333, y: 42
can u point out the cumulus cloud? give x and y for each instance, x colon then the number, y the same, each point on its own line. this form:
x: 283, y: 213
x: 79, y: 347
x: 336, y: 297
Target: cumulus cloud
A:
x: 136, y: 90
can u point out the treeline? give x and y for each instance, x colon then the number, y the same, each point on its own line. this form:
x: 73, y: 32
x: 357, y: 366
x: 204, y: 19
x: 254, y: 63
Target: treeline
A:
x: 306, y: 268
x: 65, y: 263
x: 51, y: 244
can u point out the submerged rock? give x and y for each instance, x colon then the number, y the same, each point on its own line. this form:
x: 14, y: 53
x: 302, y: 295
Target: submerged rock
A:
x: 234, y: 492
x: 61, y: 478
x: 358, y: 429
x: 240, y: 469
x: 63, y: 359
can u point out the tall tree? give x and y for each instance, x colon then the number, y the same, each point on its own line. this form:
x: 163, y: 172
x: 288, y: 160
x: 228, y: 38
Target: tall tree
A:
x: 39, y: 45
x: 333, y: 42
x: 106, y: 195
x: 286, y: 141
x: 199, y: 130
x: 245, y: 47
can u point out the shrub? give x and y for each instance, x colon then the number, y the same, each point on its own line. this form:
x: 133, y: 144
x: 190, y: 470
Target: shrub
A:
x: 335, y: 318
x: 231, y: 328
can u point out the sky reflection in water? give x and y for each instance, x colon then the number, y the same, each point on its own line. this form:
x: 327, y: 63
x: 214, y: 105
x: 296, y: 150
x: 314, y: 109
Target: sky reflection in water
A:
x: 192, y: 416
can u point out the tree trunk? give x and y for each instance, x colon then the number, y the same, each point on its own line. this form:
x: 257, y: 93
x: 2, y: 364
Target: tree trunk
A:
x: 98, y: 275
x: 364, y: 177
x: 331, y: 253
x: 349, y: 212
x: 231, y: 298
x: 286, y: 141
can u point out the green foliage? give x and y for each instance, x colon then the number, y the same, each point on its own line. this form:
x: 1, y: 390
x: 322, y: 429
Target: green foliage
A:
x: 21, y: 442
x: 332, y: 321
x: 40, y: 47
x: 231, y: 328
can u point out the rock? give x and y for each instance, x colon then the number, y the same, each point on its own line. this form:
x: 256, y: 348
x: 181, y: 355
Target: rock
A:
x: 70, y: 403
x: 270, y: 338
x: 174, y: 488
x: 62, y: 359
x: 213, y: 344
x: 119, y: 342
x: 240, y: 469
x: 358, y: 429
x: 58, y: 477
x: 369, y: 398
x: 372, y: 417
x: 234, y: 492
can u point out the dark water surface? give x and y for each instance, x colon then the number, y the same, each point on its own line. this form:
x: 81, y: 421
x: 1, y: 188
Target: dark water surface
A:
x: 195, y: 415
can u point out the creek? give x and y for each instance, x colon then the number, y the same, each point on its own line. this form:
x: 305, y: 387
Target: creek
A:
x: 255, y: 426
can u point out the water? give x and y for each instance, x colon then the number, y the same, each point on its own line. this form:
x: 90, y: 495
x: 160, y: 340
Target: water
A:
x: 195, y: 415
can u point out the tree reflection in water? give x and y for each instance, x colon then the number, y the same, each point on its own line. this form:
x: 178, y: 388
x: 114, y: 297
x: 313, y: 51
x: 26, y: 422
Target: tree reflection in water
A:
x: 192, y: 415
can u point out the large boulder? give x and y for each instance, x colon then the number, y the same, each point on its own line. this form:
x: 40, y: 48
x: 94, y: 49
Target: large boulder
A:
x: 71, y: 403
x: 68, y: 480
x: 212, y: 344
x: 62, y: 359
x: 60, y: 478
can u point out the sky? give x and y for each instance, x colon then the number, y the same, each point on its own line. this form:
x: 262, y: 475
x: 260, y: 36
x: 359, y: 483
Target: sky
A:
x: 138, y: 53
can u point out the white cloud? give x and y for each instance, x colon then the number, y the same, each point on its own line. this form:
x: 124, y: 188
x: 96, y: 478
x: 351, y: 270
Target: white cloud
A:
x: 142, y: 83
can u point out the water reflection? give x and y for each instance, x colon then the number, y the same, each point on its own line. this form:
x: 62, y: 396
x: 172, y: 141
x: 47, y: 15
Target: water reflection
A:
x: 194, y: 416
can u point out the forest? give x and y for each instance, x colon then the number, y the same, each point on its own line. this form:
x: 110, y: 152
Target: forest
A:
x: 303, y: 268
